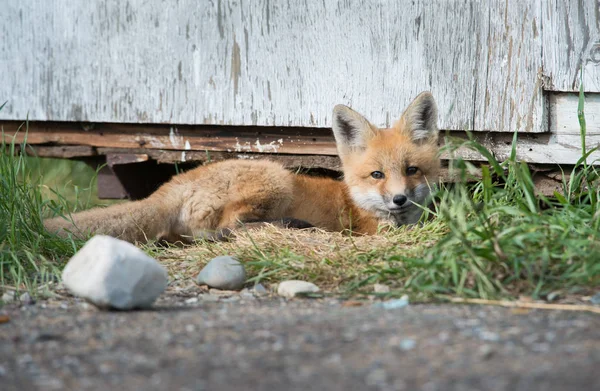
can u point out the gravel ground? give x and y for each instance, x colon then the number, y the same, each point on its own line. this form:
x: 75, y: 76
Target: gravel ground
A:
x: 232, y: 342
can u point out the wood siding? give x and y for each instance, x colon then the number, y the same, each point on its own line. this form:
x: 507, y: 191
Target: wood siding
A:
x: 275, y: 63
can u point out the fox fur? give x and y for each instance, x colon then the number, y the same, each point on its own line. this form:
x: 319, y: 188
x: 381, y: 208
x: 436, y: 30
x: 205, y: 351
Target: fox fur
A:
x: 382, y: 168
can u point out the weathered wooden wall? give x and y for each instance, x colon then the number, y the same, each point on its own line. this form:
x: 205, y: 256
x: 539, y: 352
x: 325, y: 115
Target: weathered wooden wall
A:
x: 571, y: 44
x: 277, y: 63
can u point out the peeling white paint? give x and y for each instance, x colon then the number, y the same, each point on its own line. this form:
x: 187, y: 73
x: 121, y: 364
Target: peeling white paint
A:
x: 174, y: 137
x: 271, y: 147
x: 187, y: 147
x: 241, y: 148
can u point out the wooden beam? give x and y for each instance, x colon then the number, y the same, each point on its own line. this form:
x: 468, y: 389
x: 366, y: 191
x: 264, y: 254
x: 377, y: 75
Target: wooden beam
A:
x: 243, y: 139
x: 186, y: 143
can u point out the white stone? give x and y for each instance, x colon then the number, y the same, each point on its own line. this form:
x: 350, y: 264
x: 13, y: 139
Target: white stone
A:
x: 112, y: 273
x: 292, y: 288
x: 380, y: 288
x: 223, y: 272
x: 8, y: 297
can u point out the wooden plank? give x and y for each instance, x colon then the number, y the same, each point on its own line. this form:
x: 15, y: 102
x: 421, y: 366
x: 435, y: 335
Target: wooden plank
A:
x: 272, y: 63
x: 305, y: 161
x: 63, y: 151
x: 571, y: 42
x: 563, y: 113
x: 190, y: 143
x: 182, y: 137
x: 114, y: 159
x: 542, y: 149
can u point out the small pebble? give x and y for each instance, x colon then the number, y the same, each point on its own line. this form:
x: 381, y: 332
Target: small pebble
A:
x: 486, y: 351
x: 8, y: 297
x: 553, y: 296
x: 393, y: 304
x: 292, y: 288
x: 191, y: 300
x: 381, y: 288
x: 26, y: 299
x: 489, y: 336
x: 260, y: 290
x: 408, y: 344
x: 596, y: 298
x: 223, y: 272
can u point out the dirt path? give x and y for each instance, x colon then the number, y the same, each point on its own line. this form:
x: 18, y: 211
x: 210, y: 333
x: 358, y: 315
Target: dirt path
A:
x: 269, y: 344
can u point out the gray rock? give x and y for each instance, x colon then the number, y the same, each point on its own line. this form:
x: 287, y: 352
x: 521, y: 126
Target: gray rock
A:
x: 292, y: 288
x: 26, y: 298
x: 223, y: 272
x: 596, y: 298
x: 112, y: 273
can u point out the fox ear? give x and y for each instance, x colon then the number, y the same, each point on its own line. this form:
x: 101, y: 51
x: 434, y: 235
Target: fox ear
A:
x: 420, y: 119
x: 350, y: 129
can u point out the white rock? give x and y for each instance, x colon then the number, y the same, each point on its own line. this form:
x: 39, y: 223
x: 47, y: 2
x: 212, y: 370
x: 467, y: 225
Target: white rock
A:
x: 293, y: 288
x: 112, y: 273
x: 223, y: 272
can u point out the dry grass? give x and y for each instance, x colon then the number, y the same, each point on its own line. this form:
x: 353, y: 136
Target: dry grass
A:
x: 335, y: 262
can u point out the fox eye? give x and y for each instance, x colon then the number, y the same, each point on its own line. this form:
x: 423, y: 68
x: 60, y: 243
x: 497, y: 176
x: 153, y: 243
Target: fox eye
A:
x: 377, y: 175
x: 411, y: 170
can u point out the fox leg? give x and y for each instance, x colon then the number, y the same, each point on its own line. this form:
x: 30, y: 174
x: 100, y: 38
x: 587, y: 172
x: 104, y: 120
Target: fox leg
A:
x: 250, y: 212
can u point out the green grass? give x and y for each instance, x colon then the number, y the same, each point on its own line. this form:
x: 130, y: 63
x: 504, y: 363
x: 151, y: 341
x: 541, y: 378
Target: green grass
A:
x: 487, y: 238
x: 28, y: 253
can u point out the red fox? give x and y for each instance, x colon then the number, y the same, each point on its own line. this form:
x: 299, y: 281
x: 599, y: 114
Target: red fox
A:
x: 387, y: 173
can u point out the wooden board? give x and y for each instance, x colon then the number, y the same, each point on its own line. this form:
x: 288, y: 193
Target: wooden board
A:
x: 563, y: 114
x: 198, y: 143
x: 272, y: 63
x: 182, y: 138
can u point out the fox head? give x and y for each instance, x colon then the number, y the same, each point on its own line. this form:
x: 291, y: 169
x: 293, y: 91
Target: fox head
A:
x: 390, y: 171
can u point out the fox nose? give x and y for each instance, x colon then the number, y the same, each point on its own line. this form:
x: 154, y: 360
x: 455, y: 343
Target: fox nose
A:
x: 399, y: 199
